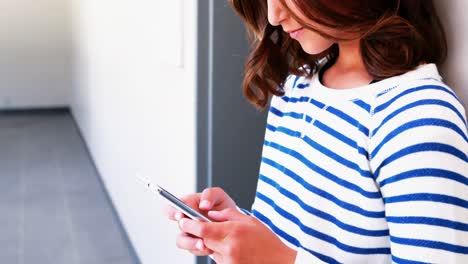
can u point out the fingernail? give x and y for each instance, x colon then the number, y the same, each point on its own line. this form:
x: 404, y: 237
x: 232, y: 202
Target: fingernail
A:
x: 199, y: 245
x: 213, y: 213
x: 181, y: 223
x: 178, y: 216
x: 205, y: 204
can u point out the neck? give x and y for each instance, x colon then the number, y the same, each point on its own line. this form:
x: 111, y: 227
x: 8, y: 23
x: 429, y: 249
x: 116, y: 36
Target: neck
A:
x: 350, y: 56
x: 349, y: 70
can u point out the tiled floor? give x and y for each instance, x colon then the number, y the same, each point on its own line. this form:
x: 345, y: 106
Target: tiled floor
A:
x: 53, y: 208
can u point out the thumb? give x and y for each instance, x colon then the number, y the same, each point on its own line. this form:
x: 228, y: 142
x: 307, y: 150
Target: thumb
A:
x: 211, y: 197
x: 228, y: 214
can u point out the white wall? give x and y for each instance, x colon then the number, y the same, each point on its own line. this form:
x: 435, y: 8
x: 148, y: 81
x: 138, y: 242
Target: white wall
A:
x: 35, y: 53
x: 134, y: 101
x: 455, y: 69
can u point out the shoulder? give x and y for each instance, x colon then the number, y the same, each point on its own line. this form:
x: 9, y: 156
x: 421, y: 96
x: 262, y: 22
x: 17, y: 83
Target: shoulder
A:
x: 419, y: 111
x: 420, y: 99
x: 418, y: 88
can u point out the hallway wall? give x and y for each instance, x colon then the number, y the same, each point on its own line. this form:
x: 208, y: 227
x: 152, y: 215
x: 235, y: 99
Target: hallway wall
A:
x: 134, y: 101
x: 35, y: 53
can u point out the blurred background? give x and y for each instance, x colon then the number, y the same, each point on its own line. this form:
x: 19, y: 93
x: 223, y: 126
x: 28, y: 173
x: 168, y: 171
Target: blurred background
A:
x: 94, y: 93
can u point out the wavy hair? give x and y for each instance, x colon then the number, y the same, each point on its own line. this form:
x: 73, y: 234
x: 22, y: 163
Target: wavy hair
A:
x: 395, y: 37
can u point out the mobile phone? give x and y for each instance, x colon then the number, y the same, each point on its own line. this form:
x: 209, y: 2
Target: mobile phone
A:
x: 177, y: 203
x: 187, y: 210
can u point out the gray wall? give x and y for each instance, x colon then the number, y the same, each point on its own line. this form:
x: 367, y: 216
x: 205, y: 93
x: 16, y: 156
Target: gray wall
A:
x: 35, y: 53
x: 230, y: 130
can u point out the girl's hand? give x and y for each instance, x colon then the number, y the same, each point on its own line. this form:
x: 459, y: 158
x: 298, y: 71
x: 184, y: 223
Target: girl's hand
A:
x: 209, y: 199
x: 236, y: 239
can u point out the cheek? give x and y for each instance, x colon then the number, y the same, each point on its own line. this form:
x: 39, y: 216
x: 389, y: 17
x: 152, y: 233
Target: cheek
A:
x: 314, y: 43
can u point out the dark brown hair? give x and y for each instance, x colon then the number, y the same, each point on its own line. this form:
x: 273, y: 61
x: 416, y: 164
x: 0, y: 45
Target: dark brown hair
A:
x: 395, y: 35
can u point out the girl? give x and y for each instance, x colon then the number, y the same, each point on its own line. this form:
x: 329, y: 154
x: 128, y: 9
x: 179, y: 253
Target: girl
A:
x: 365, y: 152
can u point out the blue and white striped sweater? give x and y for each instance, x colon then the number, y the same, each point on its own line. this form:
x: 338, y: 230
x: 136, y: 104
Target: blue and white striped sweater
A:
x: 375, y: 174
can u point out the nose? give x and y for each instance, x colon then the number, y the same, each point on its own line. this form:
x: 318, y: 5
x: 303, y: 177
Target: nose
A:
x: 276, y: 12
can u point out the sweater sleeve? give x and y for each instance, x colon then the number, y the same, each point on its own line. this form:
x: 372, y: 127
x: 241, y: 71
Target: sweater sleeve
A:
x: 244, y: 211
x: 418, y: 156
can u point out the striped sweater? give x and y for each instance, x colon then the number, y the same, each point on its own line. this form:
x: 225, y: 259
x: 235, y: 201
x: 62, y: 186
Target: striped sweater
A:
x: 374, y: 174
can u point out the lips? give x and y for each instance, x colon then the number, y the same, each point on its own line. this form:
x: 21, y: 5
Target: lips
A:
x: 295, y: 33
x: 291, y: 31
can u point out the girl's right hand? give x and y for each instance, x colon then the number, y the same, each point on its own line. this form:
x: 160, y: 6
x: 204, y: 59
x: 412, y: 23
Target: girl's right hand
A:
x: 211, y: 199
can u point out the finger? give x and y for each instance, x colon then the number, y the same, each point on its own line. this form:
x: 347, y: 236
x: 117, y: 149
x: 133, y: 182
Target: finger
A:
x: 192, y: 244
x: 218, y: 246
x: 201, y: 229
x: 172, y: 213
x: 213, y: 234
x: 191, y: 200
x: 214, y: 238
x: 228, y: 214
x: 210, y: 197
x: 201, y: 253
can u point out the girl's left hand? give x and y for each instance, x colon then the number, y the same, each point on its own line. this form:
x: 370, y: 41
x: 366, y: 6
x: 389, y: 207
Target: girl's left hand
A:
x: 236, y: 238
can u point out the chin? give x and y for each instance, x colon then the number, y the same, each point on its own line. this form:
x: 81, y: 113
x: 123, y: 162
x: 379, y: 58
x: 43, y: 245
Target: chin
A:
x: 315, y: 49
